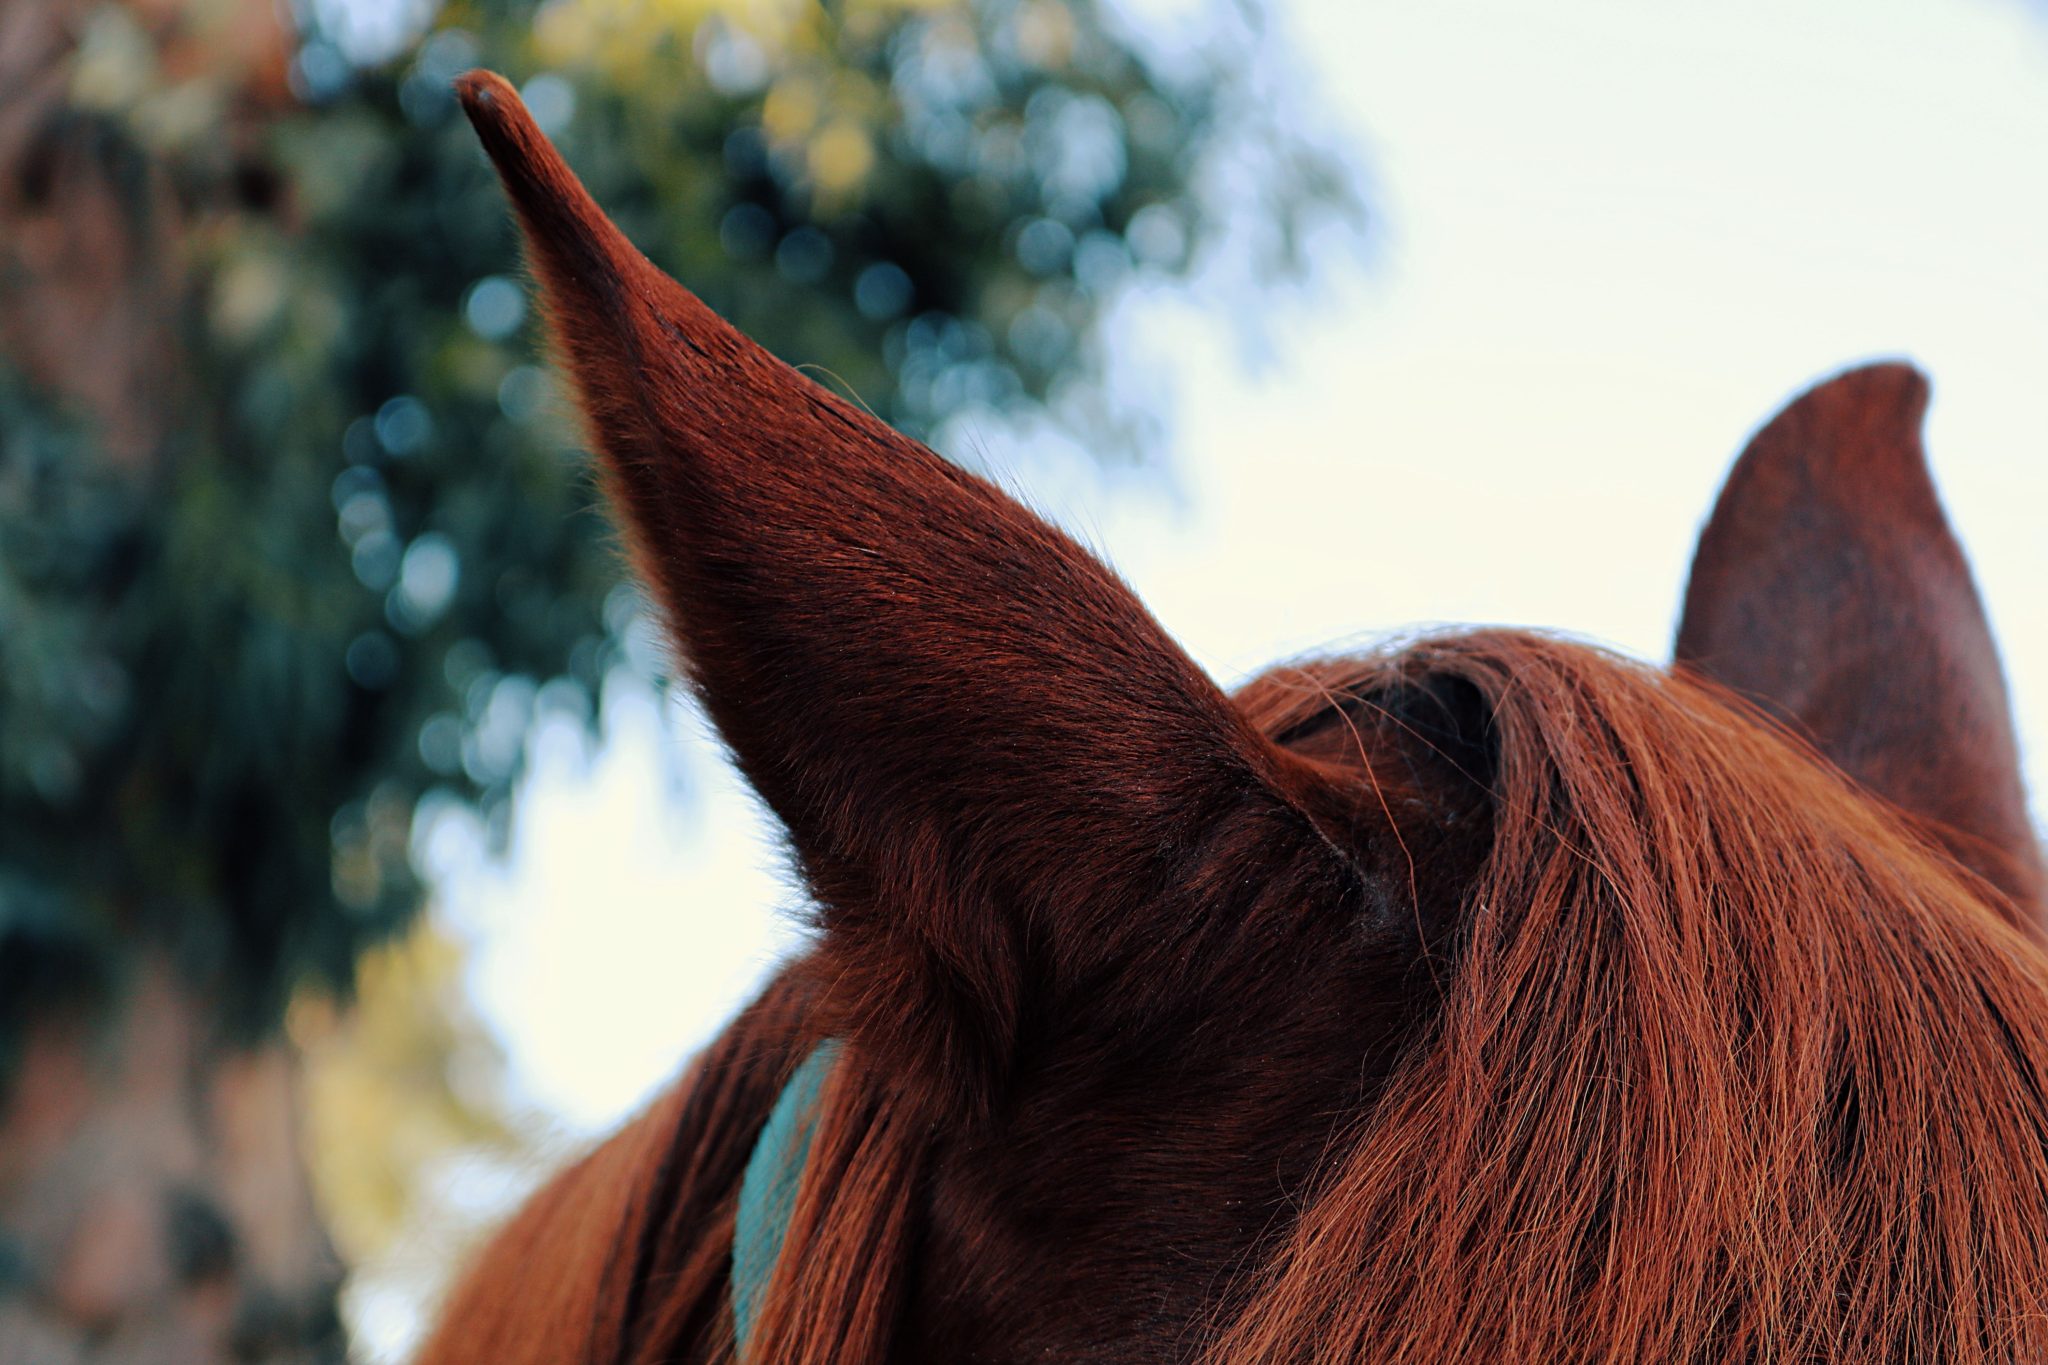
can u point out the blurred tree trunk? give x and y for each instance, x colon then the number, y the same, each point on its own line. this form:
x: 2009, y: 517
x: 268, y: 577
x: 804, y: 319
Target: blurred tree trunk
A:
x: 153, y: 1197
x: 154, y: 1205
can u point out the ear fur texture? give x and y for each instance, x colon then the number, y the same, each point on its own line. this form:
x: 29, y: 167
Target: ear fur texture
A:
x: 980, y: 742
x: 1829, y: 587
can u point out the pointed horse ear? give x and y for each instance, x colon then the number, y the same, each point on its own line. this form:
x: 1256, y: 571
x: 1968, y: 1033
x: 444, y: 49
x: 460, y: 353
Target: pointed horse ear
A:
x: 981, y: 744
x: 1829, y: 587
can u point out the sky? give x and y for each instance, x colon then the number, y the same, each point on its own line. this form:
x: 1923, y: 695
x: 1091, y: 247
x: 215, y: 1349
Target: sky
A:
x: 1610, y: 240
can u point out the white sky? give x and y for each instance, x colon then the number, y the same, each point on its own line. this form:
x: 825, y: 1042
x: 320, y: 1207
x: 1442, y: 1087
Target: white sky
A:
x: 1613, y: 237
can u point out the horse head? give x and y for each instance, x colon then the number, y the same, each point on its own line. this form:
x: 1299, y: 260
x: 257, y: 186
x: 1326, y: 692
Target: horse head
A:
x: 1486, y: 997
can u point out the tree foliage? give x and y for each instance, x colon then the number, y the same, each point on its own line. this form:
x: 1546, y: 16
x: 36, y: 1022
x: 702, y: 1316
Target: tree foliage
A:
x: 359, y: 553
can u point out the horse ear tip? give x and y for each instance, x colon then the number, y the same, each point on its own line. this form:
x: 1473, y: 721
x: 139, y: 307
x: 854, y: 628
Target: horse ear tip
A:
x: 1892, y: 385
x: 1857, y: 421
x: 492, y: 104
x: 532, y: 171
x: 478, y: 90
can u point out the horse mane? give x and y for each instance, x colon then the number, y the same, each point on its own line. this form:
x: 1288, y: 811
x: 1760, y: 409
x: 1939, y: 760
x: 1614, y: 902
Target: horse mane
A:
x: 1737, y: 1063
x: 1733, y: 1062
x: 632, y: 1244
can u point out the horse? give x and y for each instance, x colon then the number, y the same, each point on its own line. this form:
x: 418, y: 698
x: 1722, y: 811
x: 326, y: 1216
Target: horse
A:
x: 1489, y: 996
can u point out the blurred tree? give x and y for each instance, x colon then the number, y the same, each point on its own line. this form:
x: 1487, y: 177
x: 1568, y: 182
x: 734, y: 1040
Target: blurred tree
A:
x: 406, y: 1117
x: 293, y: 536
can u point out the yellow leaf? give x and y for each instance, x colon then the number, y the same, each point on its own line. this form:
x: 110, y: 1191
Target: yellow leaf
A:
x: 840, y: 158
x: 791, y: 109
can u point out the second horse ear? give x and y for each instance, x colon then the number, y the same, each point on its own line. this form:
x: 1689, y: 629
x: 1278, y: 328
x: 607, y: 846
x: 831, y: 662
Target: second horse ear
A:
x: 1829, y: 587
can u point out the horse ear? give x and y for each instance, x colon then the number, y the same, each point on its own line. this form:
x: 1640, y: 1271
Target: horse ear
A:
x: 1829, y: 587
x: 974, y: 733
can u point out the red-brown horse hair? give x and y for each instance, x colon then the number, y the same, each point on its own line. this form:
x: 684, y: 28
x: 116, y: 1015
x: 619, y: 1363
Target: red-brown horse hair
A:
x: 1489, y: 997
x: 1735, y: 1065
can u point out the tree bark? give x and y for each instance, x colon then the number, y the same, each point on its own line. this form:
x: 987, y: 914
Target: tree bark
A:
x: 154, y: 1204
